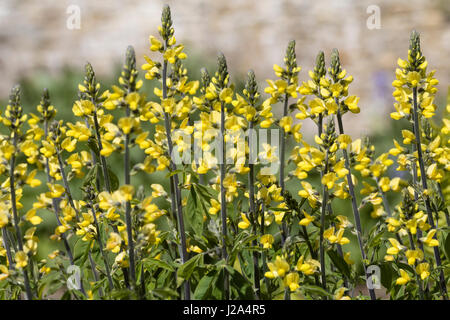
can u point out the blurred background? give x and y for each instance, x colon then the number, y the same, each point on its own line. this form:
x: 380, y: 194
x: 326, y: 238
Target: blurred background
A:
x: 46, y: 43
x: 41, y: 43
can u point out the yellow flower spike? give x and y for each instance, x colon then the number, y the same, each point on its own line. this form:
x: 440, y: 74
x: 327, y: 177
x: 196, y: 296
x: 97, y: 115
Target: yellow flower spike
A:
x: 291, y: 281
x: 404, y: 278
x: 267, y: 241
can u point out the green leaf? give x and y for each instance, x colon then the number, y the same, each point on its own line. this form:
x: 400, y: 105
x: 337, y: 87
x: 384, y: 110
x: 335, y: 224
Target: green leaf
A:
x: 204, y: 287
x: 340, y: 263
x: 386, y: 275
x: 114, y: 181
x: 80, y: 251
x: 447, y: 246
x: 194, y: 212
x: 185, y: 271
x: 316, y: 290
x: 91, y: 177
x: 151, y: 262
x: 92, y: 144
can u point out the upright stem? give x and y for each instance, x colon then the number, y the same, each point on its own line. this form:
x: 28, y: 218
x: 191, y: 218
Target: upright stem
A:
x: 176, y: 195
x: 7, y: 248
x: 282, y: 164
x: 419, y: 282
x: 72, y: 204
x: 100, y: 148
x: 354, y: 205
x: 423, y: 177
x: 322, y: 227
x: 251, y: 182
x: 56, y: 211
x: 128, y: 208
x: 441, y: 194
x: 15, y: 215
x: 100, y: 245
x: 223, y: 201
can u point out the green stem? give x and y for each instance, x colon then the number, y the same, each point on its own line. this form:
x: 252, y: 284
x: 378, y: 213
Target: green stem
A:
x: 354, y: 205
x: 15, y: 214
x: 100, y: 148
x: 423, y: 177
x: 322, y: 227
x: 223, y: 201
x: 128, y: 208
x: 253, y: 213
x: 176, y: 195
x: 56, y: 210
x: 100, y: 245
x: 282, y: 165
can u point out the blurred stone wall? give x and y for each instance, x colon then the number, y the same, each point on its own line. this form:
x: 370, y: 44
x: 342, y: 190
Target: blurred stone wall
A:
x: 251, y: 33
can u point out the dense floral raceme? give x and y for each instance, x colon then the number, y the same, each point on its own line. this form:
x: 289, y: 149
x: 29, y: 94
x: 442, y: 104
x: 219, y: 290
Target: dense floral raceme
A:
x: 248, y: 209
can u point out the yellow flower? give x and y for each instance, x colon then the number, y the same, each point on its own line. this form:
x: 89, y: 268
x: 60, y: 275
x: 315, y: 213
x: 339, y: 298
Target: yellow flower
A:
x: 286, y: 123
x: 422, y: 269
x: 429, y: 240
x: 113, y: 243
x: 3, y: 214
x: 306, y: 220
x: 336, y: 238
x: 339, y: 294
x: 329, y: 179
x: 82, y: 108
x: 291, y: 280
x: 404, y: 278
x: 352, y: 103
x: 396, y: 247
x: 215, y: 207
x: 277, y: 269
x: 267, y: 241
x: 307, y: 267
x: 56, y: 190
x: 414, y: 255
x: 244, y: 224
x: 21, y: 259
x: 4, y: 272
